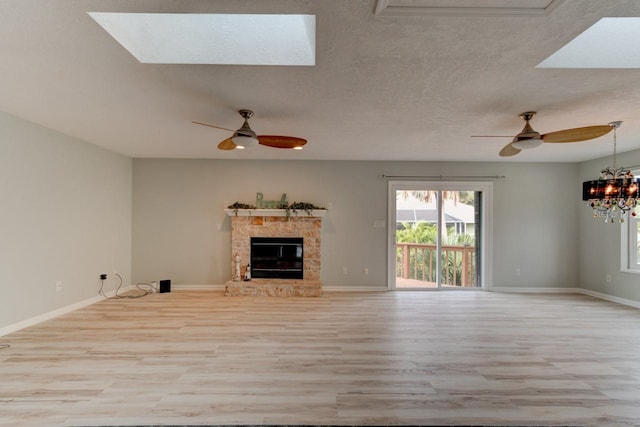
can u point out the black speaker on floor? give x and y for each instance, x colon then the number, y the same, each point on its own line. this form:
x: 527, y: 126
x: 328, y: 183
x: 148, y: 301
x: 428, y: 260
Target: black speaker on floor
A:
x: 165, y: 286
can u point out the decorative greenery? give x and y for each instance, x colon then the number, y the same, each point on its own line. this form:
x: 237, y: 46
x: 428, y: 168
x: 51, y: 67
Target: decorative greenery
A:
x: 303, y: 206
x: 292, y: 208
x: 426, y: 234
x: 238, y: 205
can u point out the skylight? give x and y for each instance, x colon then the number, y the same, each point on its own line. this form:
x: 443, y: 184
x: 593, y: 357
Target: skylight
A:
x: 169, y: 38
x: 609, y: 43
x: 465, y: 7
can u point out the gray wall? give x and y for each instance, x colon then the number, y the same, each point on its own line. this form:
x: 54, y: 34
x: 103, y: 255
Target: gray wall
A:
x: 599, y: 244
x: 66, y: 216
x: 179, y: 204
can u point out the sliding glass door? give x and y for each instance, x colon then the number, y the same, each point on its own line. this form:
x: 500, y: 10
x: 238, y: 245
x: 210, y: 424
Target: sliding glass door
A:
x: 437, y: 235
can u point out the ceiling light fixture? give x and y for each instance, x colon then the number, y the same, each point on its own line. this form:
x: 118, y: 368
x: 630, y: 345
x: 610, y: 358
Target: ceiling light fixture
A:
x: 524, y: 144
x: 527, y: 138
x: 615, y: 193
x: 245, y: 141
x: 245, y: 137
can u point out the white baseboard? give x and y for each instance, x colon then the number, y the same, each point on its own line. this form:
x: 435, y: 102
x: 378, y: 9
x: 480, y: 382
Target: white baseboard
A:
x: 59, y: 312
x: 534, y: 290
x: 606, y: 297
x: 197, y: 287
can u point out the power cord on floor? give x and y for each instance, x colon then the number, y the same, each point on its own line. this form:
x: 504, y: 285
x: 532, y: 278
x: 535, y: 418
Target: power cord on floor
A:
x: 2, y: 346
x: 146, y: 288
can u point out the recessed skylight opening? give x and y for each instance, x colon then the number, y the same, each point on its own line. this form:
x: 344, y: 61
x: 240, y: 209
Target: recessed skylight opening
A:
x: 465, y: 7
x: 609, y: 43
x: 168, y: 38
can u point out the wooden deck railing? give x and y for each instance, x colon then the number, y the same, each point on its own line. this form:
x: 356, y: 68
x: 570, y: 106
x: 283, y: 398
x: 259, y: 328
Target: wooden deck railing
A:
x: 418, y: 261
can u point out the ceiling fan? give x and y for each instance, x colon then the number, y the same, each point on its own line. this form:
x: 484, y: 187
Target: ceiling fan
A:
x: 529, y: 138
x: 246, y: 137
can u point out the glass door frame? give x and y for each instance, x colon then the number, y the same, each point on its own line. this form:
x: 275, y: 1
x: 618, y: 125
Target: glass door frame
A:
x: 486, y: 226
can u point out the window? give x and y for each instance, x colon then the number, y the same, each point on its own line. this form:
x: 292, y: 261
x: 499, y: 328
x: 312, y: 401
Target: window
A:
x: 630, y: 244
x: 630, y: 241
x: 438, y: 235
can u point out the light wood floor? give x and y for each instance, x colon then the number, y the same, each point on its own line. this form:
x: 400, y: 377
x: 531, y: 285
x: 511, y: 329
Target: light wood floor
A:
x: 358, y: 359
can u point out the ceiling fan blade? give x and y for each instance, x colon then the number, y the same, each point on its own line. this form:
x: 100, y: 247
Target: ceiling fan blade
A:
x: 212, y: 126
x: 492, y: 136
x: 577, y: 134
x: 509, y: 150
x: 279, y: 141
x: 227, y: 144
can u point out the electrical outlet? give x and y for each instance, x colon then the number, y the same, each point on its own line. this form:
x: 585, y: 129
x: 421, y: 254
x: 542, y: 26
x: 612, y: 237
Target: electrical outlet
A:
x: 329, y: 205
x: 344, y: 270
x: 103, y: 276
x: 518, y: 271
x: 365, y: 271
x: 608, y: 278
x: 59, y: 285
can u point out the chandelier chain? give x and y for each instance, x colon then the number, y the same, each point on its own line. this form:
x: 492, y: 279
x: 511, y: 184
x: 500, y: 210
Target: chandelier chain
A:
x: 615, y: 144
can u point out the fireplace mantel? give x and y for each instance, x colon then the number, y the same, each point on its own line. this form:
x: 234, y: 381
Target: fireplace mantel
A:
x: 317, y: 213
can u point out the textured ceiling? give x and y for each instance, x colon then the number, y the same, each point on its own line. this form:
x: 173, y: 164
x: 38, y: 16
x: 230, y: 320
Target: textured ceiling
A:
x: 384, y: 88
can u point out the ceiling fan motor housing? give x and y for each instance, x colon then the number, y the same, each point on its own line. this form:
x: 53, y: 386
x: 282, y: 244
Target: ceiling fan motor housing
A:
x: 245, y: 130
x: 527, y: 138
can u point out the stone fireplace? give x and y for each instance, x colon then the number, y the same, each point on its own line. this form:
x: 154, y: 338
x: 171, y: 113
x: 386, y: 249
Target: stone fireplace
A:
x: 249, y: 223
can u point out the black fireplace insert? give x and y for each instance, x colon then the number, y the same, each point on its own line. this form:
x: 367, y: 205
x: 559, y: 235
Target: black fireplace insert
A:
x: 277, y: 257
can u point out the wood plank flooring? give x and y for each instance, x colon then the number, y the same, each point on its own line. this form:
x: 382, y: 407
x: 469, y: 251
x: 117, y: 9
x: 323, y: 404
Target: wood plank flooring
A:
x: 419, y: 358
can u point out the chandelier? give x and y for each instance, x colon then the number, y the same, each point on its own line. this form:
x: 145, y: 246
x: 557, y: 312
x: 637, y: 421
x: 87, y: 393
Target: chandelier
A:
x: 615, y: 193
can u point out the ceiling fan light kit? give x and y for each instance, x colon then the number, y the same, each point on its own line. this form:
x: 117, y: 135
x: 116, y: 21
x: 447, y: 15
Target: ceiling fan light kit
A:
x: 245, y: 137
x: 527, y: 138
x: 615, y: 193
x: 525, y: 144
x: 244, y: 141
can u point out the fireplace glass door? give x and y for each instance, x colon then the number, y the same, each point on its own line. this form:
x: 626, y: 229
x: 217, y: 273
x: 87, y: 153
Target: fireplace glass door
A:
x: 277, y: 257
